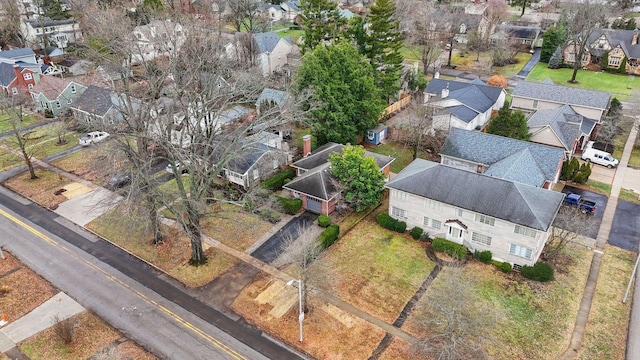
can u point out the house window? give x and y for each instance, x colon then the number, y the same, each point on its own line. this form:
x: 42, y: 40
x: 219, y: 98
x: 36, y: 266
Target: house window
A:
x: 571, y: 57
x: 457, y: 212
x: 399, y: 213
x: 27, y: 76
x: 45, y: 105
x: 485, y: 219
x: 480, y: 238
x: 455, y: 232
x: 30, y: 86
x: 520, y: 251
x: 524, y: 231
x: 432, y: 223
x: 535, y: 104
x: 14, y: 91
x: 58, y: 105
x: 432, y: 204
x: 256, y: 174
x: 73, y: 88
x: 615, y: 61
x: 400, y: 195
x: 275, y: 164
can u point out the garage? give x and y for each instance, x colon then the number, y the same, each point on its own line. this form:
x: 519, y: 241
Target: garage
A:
x: 314, y: 205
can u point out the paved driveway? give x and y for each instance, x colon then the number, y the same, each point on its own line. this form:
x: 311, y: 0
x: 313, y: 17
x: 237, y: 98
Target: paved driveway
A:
x: 271, y: 248
x: 625, y: 230
x: 601, y: 201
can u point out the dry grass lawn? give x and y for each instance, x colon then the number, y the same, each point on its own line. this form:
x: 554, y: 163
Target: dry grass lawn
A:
x: 399, y: 349
x: 375, y: 269
x: 329, y: 333
x: 93, y: 163
x: 40, y: 190
x: 234, y: 227
x: 537, y: 318
x: 21, y: 290
x: 172, y: 255
x: 606, y: 332
x: 91, y: 336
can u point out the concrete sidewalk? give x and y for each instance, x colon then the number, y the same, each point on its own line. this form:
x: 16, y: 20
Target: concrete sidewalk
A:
x: 39, y: 319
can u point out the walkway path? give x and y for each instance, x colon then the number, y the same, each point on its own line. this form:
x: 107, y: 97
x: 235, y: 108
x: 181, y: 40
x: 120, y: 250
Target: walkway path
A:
x: 601, y: 241
x: 535, y: 58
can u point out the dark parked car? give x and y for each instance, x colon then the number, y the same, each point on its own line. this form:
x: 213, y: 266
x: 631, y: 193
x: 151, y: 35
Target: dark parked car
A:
x: 119, y: 181
x: 586, y: 206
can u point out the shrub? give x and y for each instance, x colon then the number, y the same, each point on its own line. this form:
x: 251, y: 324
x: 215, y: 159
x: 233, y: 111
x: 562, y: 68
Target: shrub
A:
x: 483, y: 256
x: 425, y: 236
x: 329, y: 235
x: 454, y: 250
x: 386, y: 221
x: 269, y: 215
x: 400, y: 227
x: 416, y: 233
x: 291, y: 206
x: 64, y: 329
x: 505, y: 267
x: 276, y: 181
x: 324, y: 221
x: 542, y: 272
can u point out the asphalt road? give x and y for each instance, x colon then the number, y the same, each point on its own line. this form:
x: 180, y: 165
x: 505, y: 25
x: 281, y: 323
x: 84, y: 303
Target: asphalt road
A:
x: 158, y: 315
x: 625, y: 230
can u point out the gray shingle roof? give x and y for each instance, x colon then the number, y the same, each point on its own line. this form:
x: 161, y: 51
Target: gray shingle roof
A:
x: 506, y: 200
x: 474, y: 96
x: 46, y: 22
x: 318, y: 183
x: 519, y: 32
x: 10, y: 54
x: 7, y: 74
x: 266, y: 41
x: 320, y: 156
x: 567, y: 124
x: 276, y: 96
x: 514, y: 160
x: 562, y: 94
x: 95, y: 100
x: 624, y: 38
x: 241, y: 163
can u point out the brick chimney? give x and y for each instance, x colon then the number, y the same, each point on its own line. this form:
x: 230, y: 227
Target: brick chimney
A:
x: 306, y: 145
x: 16, y: 69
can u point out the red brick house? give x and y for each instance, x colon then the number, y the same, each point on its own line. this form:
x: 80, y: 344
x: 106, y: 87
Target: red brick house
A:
x: 16, y: 80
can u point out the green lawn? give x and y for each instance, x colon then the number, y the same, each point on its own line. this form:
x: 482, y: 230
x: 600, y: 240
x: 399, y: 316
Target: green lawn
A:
x: 6, y: 126
x: 511, y: 70
x: 599, y: 187
x: 43, y: 141
x: 403, y: 154
x: 411, y: 52
x: 294, y: 34
x: 621, y: 86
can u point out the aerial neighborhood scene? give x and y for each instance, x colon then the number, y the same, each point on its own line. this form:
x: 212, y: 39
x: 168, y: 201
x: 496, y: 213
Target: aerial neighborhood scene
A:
x: 319, y: 179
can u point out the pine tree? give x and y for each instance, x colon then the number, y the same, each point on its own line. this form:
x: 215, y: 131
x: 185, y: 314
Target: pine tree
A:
x: 555, y: 36
x: 321, y: 21
x: 556, y: 59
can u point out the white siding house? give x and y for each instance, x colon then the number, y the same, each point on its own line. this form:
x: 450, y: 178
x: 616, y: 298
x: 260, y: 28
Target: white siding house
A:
x: 511, y: 220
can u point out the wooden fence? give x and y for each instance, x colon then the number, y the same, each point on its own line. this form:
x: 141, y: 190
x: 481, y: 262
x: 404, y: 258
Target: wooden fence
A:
x: 404, y: 101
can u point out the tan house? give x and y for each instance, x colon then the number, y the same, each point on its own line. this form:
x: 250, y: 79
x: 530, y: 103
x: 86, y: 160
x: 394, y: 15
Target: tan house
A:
x: 510, y: 219
x: 533, y: 96
x: 561, y: 127
x: 609, y: 48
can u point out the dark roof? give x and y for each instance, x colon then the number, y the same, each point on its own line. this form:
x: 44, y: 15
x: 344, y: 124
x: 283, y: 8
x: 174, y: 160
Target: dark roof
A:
x: 277, y: 96
x: 476, y: 97
x: 7, y: 74
x: 515, y: 160
x: 242, y: 162
x: 320, y: 156
x: 623, y: 38
x: 562, y: 94
x: 95, y: 100
x: 45, y: 22
x: 318, y: 183
x: 503, y: 199
x: 565, y: 123
x: 519, y: 32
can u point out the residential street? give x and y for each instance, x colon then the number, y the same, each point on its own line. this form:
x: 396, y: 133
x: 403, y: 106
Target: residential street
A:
x: 107, y: 281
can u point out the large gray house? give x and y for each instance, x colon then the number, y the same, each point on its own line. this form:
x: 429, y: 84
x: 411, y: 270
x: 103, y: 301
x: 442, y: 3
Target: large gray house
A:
x: 511, y: 219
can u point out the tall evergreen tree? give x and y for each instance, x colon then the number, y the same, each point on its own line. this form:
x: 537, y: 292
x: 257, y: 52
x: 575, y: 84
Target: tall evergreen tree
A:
x: 321, y: 21
x: 384, y: 41
x: 555, y: 36
x: 509, y: 123
x: 345, y: 100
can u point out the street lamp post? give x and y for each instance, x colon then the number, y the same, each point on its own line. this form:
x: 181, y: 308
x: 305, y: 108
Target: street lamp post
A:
x: 300, y: 312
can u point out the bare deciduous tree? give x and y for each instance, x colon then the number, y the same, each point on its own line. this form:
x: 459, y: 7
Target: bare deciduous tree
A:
x: 570, y: 224
x: 582, y: 19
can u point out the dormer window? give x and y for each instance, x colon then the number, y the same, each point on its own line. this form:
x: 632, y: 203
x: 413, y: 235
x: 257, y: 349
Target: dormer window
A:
x: 27, y: 76
x: 73, y: 88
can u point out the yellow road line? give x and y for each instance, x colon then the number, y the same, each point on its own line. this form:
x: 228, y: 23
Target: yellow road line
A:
x: 149, y: 301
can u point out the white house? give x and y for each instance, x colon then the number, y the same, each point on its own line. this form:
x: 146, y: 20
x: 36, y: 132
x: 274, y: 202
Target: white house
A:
x: 43, y: 32
x: 512, y: 220
x: 272, y: 51
x: 156, y: 39
x: 465, y: 105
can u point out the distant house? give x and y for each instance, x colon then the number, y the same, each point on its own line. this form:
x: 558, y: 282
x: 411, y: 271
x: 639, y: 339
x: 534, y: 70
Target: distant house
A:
x: 16, y: 80
x: 465, y: 105
x: 156, y: 39
x: 609, y: 48
x: 512, y: 220
x: 271, y: 51
x: 290, y: 9
x: 315, y: 184
x: 271, y: 97
x: 532, y: 96
x: 100, y: 107
x: 43, y: 32
x: 514, y: 160
x: 463, y: 23
x: 529, y: 36
x: 54, y: 94
x: 24, y: 57
x: 561, y: 127
x: 273, y: 12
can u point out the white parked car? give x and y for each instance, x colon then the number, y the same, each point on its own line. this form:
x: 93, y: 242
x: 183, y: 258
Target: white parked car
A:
x: 182, y: 168
x: 93, y: 137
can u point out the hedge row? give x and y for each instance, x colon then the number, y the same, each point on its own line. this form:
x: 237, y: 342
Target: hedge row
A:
x: 483, y: 256
x: 505, y: 267
x: 291, y: 206
x: 278, y: 180
x: 329, y: 235
x: 454, y: 250
x: 386, y: 221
